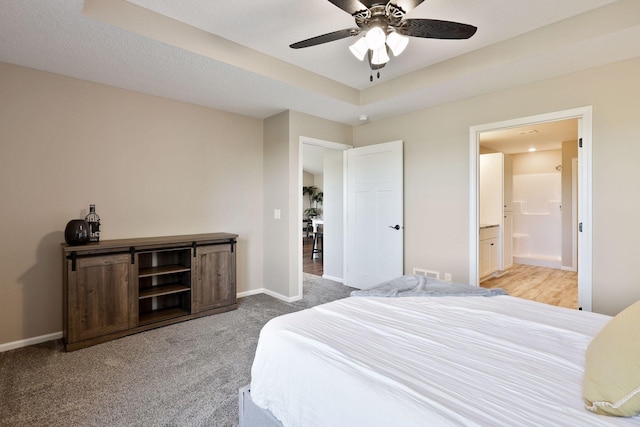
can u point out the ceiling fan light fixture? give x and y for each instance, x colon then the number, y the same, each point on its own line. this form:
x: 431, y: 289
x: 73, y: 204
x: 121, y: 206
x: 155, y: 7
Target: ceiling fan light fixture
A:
x: 359, y: 49
x: 397, y: 43
x: 379, y: 56
x: 385, y: 32
x: 375, y: 38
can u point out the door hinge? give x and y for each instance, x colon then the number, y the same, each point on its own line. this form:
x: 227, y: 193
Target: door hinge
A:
x: 580, y: 143
x: 580, y: 227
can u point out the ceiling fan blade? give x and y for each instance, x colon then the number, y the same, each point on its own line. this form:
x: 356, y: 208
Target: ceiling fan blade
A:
x: 349, y: 6
x: 324, y: 38
x: 406, y: 5
x: 436, y: 29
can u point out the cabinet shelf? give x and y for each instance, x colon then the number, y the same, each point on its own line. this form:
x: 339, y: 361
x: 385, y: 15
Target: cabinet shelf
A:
x: 160, y: 315
x: 161, y: 270
x: 156, y: 291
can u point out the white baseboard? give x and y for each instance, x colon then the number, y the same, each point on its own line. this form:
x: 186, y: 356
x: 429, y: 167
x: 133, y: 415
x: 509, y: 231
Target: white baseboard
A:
x: 569, y: 268
x: 333, y: 279
x: 270, y: 293
x: 249, y: 293
x: 282, y: 297
x: 30, y: 341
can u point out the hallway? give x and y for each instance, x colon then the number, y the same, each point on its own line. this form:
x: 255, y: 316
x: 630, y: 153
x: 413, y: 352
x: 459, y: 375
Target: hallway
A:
x: 312, y: 266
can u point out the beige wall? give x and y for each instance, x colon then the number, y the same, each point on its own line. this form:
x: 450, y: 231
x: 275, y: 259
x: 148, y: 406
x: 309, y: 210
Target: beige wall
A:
x: 437, y: 172
x: 276, y: 251
x: 159, y: 167
x: 282, y: 190
x: 152, y: 167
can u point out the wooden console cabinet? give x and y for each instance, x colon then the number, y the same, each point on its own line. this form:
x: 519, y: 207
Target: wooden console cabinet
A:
x: 115, y: 288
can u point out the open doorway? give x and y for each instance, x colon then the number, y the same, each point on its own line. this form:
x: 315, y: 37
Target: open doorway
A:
x: 527, y: 172
x: 322, y: 166
x: 584, y: 251
x: 313, y: 209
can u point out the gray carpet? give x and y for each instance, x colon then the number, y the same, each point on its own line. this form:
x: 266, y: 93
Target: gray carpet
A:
x: 183, y: 374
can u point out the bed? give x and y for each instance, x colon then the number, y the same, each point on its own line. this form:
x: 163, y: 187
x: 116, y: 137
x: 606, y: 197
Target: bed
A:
x: 424, y: 361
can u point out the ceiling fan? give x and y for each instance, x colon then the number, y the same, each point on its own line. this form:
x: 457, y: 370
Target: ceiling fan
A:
x: 385, y: 31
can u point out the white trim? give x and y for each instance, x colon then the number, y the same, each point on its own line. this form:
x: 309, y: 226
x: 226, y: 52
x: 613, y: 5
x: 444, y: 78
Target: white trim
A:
x: 249, y: 293
x: 334, y: 279
x: 585, y: 250
x: 585, y: 185
x: 474, y: 206
x: 282, y: 297
x: 324, y: 144
x: 270, y: 293
x: 30, y: 341
x: 574, y: 214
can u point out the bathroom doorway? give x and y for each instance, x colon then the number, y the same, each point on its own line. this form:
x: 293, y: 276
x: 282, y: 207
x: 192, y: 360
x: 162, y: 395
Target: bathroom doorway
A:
x: 552, y: 212
x: 537, y: 190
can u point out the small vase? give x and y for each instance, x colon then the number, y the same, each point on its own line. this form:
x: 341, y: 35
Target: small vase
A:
x: 77, y: 232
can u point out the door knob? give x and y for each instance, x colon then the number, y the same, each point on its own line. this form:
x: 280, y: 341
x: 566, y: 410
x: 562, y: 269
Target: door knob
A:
x: 395, y: 227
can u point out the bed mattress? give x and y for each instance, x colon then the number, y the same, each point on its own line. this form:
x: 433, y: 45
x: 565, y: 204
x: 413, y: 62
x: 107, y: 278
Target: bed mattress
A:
x: 415, y: 361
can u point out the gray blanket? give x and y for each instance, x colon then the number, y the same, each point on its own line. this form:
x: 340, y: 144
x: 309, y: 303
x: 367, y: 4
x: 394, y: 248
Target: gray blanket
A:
x: 421, y: 286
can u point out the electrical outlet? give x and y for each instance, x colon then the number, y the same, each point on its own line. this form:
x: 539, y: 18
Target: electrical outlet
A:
x: 276, y: 214
x: 447, y: 277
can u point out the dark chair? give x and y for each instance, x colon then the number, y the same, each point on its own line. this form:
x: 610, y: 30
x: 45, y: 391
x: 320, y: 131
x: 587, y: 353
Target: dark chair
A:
x: 318, y: 244
x: 307, y: 227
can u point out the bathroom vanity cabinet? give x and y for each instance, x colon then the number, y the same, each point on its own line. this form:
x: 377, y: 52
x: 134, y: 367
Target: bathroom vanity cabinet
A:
x: 488, y: 259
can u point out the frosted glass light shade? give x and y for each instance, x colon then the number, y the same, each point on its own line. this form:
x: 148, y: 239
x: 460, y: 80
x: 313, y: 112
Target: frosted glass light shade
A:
x: 359, y: 48
x: 375, y: 38
x: 379, y: 56
x: 397, y: 43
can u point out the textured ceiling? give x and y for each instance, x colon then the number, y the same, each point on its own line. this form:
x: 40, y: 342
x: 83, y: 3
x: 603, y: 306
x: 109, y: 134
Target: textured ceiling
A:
x: 271, y: 26
x: 234, y: 55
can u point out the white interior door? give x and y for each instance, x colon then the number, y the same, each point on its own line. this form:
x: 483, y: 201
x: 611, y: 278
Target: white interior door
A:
x: 374, y: 241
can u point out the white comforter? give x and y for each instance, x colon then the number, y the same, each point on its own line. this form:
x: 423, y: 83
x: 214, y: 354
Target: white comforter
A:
x: 472, y: 361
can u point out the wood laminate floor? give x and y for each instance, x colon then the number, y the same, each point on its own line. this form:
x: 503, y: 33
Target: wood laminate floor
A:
x: 548, y: 285
x: 311, y: 266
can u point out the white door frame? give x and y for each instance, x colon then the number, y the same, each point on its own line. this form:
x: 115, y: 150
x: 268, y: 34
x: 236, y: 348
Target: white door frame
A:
x: 298, y: 214
x: 585, y: 250
x: 574, y: 214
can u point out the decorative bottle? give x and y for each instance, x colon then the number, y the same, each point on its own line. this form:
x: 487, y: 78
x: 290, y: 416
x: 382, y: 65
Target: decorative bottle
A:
x: 94, y: 224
